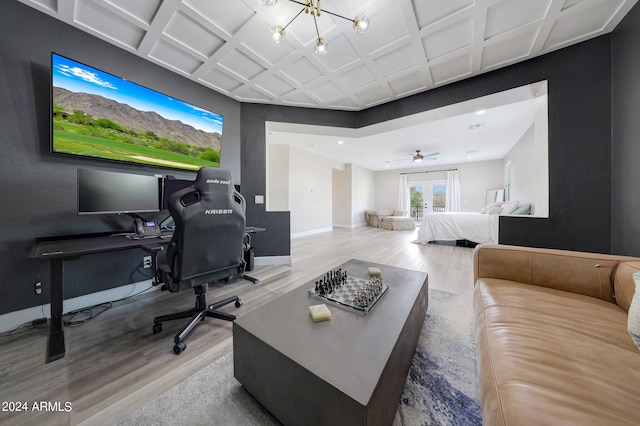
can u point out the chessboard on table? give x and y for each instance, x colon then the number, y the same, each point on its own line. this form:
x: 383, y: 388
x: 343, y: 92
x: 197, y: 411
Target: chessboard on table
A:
x: 341, y: 289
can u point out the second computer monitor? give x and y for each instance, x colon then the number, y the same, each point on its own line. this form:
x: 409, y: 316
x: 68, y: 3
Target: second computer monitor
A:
x: 170, y: 186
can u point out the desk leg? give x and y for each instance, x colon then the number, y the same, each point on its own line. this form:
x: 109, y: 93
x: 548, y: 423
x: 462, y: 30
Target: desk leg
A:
x: 55, y: 349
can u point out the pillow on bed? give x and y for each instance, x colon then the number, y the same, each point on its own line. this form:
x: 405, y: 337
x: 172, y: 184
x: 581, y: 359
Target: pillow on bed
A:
x: 485, y: 210
x: 494, y: 210
x: 509, y: 206
x: 523, y: 209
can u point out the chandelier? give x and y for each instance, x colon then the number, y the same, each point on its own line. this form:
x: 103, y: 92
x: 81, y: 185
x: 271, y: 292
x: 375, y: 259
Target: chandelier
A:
x: 360, y: 22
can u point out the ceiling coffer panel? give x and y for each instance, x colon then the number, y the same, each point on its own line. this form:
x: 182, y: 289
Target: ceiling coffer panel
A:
x: 408, y: 46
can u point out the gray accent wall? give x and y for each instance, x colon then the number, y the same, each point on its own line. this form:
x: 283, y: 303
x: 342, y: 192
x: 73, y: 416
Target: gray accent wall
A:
x: 38, y: 188
x: 625, y: 182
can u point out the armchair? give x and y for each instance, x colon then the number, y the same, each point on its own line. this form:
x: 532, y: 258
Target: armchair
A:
x: 207, y: 246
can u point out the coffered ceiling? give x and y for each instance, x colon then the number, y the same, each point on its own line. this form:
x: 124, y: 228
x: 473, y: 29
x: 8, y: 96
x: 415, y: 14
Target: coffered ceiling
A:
x: 411, y: 45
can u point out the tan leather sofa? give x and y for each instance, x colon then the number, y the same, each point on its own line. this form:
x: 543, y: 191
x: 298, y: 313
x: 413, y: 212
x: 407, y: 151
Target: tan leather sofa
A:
x: 552, y: 340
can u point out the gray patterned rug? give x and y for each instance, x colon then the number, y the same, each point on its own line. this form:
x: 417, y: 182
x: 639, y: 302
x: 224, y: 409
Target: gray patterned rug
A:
x: 441, y: 388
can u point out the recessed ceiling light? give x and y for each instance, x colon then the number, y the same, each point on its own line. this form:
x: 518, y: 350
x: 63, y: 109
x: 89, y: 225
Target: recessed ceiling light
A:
x: 480, y: 112
x: 340, y: 142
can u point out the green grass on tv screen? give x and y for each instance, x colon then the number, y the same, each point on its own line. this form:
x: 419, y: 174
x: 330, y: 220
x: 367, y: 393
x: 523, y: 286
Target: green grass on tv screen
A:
x: 104, y: 139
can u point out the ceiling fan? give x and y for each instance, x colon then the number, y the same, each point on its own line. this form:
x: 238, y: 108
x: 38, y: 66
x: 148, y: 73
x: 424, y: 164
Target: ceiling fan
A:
x: 419, y: 157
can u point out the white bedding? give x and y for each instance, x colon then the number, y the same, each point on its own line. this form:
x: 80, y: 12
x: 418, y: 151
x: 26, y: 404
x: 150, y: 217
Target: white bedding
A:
x: 476, y: 227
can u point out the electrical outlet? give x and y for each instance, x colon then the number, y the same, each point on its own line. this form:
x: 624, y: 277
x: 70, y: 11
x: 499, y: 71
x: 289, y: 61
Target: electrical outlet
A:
x: 146, y: 262
x: 38, y: 288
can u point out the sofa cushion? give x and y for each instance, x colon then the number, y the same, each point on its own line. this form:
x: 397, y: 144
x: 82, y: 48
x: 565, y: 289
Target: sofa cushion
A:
x: 583, y: 273
x: 624, y: 286
x: 548, y: 356
x: 633, y: 323
x: 398, y: 223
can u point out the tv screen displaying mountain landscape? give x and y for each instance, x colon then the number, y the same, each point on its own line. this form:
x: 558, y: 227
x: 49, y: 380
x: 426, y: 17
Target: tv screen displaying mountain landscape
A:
x: 99, y: 115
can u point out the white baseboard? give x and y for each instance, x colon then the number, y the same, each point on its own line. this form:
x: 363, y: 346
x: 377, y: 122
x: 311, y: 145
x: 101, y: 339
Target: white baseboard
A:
x: 14, y: 319
x: 352, y: 226
x: 312, y: 232
x: 272, y: 260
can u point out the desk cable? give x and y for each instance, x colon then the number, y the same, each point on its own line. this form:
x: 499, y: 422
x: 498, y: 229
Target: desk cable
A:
x: 105, y: 306
x: 36, y: 326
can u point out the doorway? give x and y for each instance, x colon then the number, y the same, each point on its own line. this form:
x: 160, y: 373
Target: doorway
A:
x: 427, y: 197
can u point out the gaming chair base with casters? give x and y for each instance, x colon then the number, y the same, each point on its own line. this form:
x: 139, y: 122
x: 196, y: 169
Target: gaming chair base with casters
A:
x: 197, y: 314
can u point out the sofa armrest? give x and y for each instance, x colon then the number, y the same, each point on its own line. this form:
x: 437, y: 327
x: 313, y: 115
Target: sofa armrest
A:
x: 578, y: 272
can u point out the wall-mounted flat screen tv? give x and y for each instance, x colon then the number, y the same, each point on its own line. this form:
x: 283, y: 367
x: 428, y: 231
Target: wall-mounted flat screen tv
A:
x: 96, y: 114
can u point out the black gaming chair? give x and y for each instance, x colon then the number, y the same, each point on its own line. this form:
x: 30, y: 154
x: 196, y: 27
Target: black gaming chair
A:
x: 207, y: 246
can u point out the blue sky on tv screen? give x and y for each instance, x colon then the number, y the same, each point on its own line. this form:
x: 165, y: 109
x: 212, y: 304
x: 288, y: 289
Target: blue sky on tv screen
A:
x: 77, y: 77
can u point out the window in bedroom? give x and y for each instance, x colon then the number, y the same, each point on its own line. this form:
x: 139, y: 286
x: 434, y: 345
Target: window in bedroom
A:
x: 438, y: 197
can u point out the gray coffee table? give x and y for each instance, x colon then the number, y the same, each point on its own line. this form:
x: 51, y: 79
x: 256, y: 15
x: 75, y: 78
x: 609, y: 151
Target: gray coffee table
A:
x: 349, y: 370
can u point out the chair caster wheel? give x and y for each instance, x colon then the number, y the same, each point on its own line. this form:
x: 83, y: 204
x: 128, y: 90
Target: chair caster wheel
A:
x: 179, y: 347
x: 157, y: 328
x: 239, y: 303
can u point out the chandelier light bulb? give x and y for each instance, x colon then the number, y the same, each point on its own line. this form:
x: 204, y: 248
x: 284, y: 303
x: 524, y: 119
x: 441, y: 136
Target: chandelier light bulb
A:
x: 321, y: 46
x: 361, y: 24
x: 269, y: 2
x: 277, y: 32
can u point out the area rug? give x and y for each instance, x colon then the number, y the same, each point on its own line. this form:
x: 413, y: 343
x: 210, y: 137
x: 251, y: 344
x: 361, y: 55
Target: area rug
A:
x: 441, y: 388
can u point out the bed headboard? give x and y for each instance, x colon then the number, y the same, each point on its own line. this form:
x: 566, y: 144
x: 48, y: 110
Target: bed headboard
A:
x: 494, y: 195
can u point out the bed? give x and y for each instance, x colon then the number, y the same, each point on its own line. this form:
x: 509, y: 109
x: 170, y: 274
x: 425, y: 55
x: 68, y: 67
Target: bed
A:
x: 475, y: 227
x: 470, y: 226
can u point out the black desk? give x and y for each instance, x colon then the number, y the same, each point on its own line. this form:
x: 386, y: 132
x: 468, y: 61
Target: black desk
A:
x: 56, y: 251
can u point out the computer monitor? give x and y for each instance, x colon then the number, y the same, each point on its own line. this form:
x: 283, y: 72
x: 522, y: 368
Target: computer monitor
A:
x: 102, y: 192
x: 170, y: 186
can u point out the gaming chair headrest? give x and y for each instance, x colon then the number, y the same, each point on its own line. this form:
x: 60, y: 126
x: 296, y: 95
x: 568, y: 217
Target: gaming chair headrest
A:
x: 212, y: 176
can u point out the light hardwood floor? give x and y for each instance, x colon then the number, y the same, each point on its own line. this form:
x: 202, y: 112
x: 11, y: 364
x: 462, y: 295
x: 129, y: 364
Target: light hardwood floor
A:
x: 115, y: 363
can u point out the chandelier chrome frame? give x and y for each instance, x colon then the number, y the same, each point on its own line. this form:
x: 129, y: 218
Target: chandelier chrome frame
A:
x: 360, y: 22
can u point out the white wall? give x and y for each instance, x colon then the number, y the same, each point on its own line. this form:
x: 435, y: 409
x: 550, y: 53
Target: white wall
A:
x: 542, y: 156
x: 475, y: 179
x: 341, y: 199
x: 310, y: 192
x: 320, y: 193
x: 277, y: 196
x: 523, y: 169
x: 363, y: 184
x: 530, y: 164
